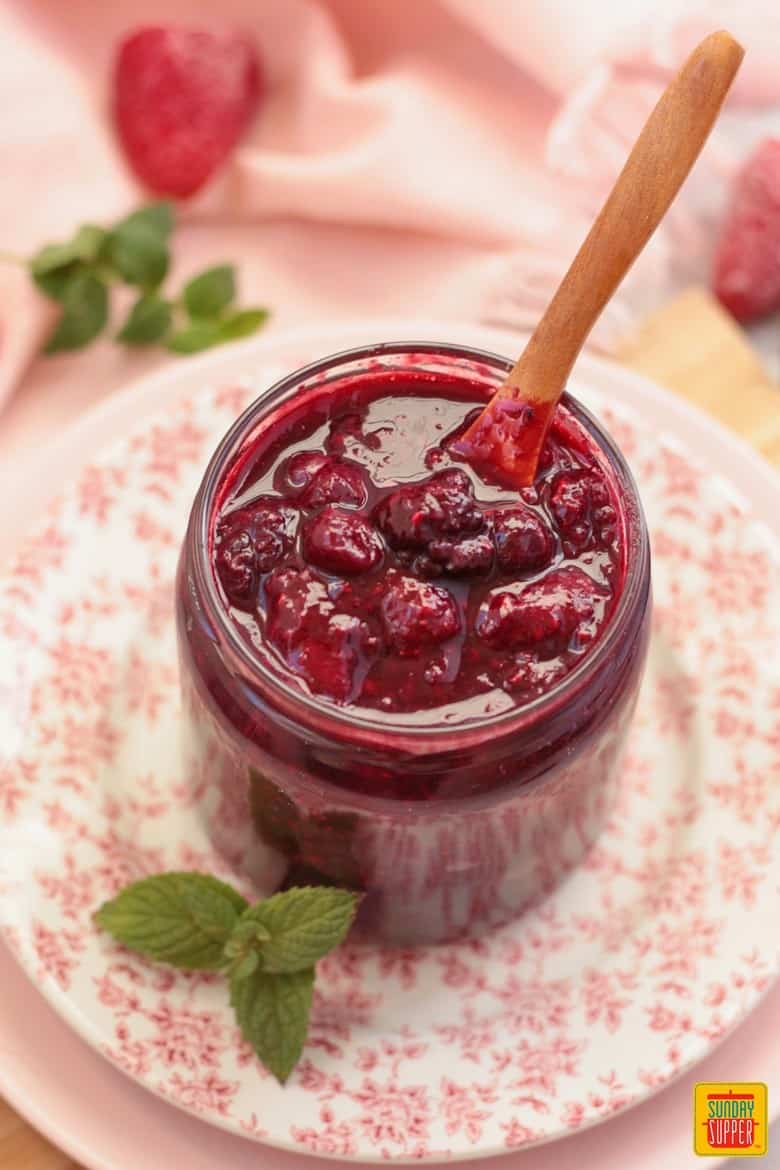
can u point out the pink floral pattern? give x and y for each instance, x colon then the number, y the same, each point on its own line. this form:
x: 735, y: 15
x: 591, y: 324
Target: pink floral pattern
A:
x: 651, y: 951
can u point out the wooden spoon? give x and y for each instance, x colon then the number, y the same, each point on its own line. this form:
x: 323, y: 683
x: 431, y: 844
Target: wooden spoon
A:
x: 509, y: 433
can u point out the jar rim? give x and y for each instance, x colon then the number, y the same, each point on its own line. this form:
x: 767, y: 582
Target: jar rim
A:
x: 325, y: 717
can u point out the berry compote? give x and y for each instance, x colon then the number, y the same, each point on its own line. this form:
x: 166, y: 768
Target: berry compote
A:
x: 400, y: 674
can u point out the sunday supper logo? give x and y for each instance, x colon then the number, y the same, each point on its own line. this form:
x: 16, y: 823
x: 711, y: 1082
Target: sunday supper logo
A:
x: 730, y: 1118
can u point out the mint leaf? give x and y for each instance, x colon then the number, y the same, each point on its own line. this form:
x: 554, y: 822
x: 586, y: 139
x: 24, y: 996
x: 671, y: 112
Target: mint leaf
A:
x: 54, y: 266
x: 183, y: 919
x: 54, y: 284
x: 245, y: 936
x: 138, y: 246
x: 89, y: 241
x: 195, y: 337
x: 84, y: 313
x: 304, y: 924
x: 53, y: 256
x: 139, y: 256
x: 85, y: 246
x: 242, y: 323
x: 245, y: 966
x: 273, y: 1014
x: 211, y: 292
x: 156, y: 218
x: 149, y: 320
x: 203, y: 334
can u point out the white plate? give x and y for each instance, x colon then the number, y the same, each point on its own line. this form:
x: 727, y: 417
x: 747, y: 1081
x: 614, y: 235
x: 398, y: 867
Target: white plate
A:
x: 41, y: 1060
x: 577, y: 1011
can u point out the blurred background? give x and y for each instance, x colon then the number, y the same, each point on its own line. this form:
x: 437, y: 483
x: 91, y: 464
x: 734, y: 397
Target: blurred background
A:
x: 357, y: 157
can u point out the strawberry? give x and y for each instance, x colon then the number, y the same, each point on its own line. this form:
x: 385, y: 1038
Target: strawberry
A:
x: 746, y: 277
x: 182, y: 99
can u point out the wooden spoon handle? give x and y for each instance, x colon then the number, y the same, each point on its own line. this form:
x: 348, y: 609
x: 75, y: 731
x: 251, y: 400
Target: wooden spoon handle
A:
x: 663, y: 155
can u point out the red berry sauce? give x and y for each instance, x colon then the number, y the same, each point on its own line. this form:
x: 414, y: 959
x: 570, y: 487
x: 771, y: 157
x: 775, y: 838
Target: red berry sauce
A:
x: 369, y: 565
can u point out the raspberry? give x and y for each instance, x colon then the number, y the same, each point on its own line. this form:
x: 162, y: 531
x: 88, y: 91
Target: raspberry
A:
x: 746, y: 276
x: 330, y: 650
x: 416, y: 614
x: 472, y: 555
x: 336, y: 482
x: 545, y: 615
x: 444, y: 505
x: 332, y: 664
x: 298, y: 605
x: 251, y: 541
x: 341, y: 541
x: 523, y: 541
x: 570, y: 500
x: 237, y: 566
x: 599, y: 493
x: 182, y: 99
x: 274, y: 532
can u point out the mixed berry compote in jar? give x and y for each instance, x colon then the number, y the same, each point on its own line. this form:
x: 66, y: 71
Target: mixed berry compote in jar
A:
x: 399, y: 674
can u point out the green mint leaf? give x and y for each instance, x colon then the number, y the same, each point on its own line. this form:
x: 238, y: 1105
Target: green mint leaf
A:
x: 246, y: 965
x: 54, y: 266
x: 211, y: 292
x: 149, y: 320
x: 183, y: 919
x: 156, y: 218
x: 242, y: 936
x: 195, y: 337
x: 273, y: 1014
x: 84, y: 313
x: 203, y: 334
x: 53, y: 256
x: 84, y: 246
x: 89, y: 241
x: 242, y: 323
x: 304, y: 924
x: 138, y: 255
x: 54, y: 284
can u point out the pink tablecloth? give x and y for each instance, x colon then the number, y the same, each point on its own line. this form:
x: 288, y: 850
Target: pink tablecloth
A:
x: 441, y: 157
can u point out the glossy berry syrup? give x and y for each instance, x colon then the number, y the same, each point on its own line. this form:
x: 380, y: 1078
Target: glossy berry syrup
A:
x: 398, y: 675
x: 375, y: 569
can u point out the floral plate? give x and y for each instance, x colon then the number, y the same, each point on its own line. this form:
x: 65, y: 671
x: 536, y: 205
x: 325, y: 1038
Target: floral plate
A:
x: 632, y: 971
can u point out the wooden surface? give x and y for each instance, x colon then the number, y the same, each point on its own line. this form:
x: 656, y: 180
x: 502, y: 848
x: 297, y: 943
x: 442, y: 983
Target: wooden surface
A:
x: 692, y: 347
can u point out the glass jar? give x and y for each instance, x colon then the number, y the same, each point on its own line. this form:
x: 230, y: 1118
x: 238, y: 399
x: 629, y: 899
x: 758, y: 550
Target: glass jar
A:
x: 276, y: 771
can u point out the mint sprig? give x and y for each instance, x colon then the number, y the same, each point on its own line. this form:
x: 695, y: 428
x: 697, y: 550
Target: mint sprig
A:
x: 184, y: 919
x: 268, y: 951
x: 300, y: 930
x: 273, y: 1014
x: 80, y: 273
